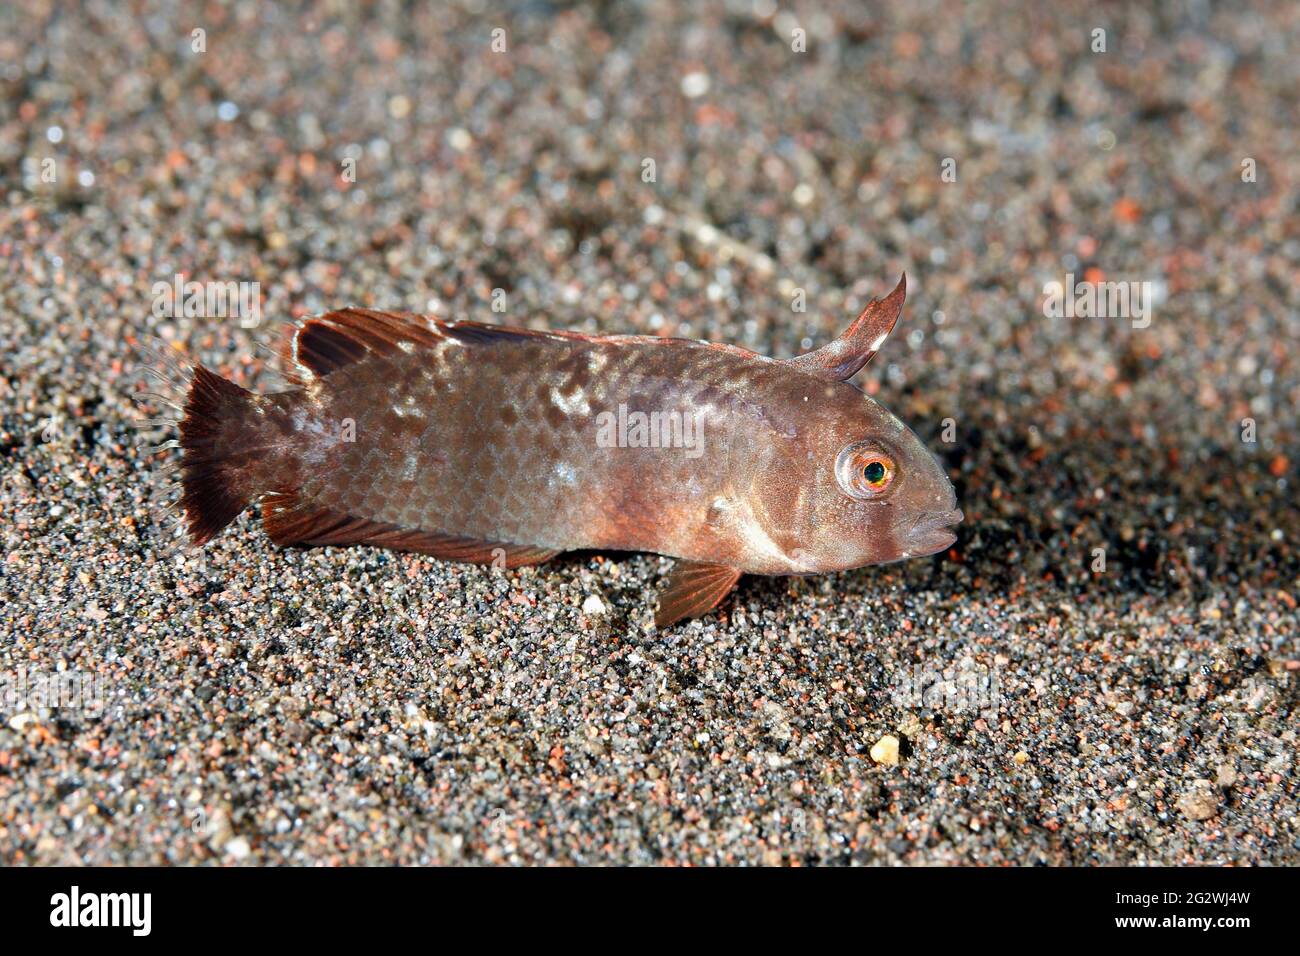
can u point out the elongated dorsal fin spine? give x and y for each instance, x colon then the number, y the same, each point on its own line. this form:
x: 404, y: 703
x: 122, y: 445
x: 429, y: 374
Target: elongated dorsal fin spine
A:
x: 846, y: 356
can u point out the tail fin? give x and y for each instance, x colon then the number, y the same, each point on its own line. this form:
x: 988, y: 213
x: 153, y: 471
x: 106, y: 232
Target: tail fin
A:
x: 216, y: 469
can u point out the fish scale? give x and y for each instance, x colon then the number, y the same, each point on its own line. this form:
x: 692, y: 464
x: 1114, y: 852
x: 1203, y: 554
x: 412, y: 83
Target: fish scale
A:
x: 416, y: 468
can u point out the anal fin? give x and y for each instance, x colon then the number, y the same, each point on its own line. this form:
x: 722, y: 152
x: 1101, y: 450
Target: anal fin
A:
x: 693, y: 589
x: 288, y: 520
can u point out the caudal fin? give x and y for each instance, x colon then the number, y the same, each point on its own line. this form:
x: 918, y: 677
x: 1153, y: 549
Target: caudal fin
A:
x: 216, y: 463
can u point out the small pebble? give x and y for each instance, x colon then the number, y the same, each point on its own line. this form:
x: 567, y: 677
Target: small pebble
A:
x: 1200, y: 802
x: 885, y: 751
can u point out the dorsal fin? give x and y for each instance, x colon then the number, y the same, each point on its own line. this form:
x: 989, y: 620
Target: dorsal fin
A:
x: 840, y: 360
x: 314, y: 347
x: 317, y: 346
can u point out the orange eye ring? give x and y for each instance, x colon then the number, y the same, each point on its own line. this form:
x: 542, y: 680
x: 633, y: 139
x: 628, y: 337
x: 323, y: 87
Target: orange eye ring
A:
x: 864, y: 470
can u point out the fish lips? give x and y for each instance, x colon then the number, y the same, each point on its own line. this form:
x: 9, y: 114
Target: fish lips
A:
x: 932, y: 531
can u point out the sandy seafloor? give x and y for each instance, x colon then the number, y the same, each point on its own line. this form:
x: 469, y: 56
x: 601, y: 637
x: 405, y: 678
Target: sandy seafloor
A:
x: 341, y: 706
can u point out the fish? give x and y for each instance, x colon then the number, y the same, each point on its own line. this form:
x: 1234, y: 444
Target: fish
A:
x: 506, y: 446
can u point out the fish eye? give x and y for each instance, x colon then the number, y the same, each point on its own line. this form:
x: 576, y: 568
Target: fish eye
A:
x: 865, y: 470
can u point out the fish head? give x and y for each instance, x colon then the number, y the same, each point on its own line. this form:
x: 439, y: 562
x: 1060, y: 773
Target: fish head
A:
x: 851, y: 485
x: 854, y: 487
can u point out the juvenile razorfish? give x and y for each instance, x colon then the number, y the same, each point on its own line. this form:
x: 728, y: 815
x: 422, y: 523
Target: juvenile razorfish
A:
x: 488, y: 444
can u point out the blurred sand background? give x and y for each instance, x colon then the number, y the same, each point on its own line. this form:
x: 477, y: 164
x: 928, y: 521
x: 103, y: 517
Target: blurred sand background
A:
x: 349, y: 706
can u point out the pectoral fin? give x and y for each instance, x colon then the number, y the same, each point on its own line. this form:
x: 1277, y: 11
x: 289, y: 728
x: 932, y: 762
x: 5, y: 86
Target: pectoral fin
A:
x: 693, y: 589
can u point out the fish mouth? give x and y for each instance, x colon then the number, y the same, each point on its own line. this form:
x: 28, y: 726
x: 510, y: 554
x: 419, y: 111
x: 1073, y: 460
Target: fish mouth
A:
x: 932, y: 532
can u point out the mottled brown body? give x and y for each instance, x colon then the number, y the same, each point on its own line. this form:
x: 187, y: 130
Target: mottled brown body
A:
x: 498, y: 442
x: 480, y: 443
